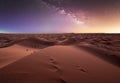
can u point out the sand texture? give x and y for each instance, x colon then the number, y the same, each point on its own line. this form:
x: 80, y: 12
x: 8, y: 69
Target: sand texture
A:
x: 60, y: 58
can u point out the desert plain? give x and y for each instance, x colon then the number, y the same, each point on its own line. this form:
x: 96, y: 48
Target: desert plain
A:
x: 60, y: 58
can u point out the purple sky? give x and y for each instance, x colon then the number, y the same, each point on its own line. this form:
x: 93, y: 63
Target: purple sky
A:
x: 57, y: 16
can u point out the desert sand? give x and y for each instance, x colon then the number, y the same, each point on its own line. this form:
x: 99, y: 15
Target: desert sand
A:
x: 30, y: 61
x: 13, y: 53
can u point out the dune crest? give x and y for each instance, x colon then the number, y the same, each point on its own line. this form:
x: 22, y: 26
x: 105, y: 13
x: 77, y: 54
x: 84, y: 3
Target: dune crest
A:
x: 59, y: 58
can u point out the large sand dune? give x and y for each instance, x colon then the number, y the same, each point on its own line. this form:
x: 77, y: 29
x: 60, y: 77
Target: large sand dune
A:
x: 58, y: 64
x: 35, y: 60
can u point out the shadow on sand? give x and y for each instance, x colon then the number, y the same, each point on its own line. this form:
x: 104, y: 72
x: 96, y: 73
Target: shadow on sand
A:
x: 105, y: 55
x: 30, y: 69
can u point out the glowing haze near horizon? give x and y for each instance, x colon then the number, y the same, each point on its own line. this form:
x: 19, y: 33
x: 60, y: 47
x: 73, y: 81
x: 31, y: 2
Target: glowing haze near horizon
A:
x: 60, y: 16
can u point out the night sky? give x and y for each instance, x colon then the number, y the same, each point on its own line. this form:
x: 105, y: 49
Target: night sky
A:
x: 60, y: 16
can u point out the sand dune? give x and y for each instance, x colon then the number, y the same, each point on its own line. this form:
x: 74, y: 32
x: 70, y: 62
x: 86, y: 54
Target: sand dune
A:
x: 60, y: 64
x: 31, y: 42
x: 67, y: 41
x: 35, y: 43
x: 65, y: 58
x: 13, y: 53
x: 111, y: 57
x: 77, y: 65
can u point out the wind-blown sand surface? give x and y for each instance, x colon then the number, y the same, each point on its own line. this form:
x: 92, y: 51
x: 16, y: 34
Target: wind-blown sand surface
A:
x: 59, y: 58
x: 13, y: 53
x: 55, y: 64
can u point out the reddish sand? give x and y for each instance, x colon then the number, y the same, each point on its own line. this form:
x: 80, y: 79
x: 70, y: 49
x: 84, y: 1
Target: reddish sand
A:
x: 13, y: 53
x: 56, y: 64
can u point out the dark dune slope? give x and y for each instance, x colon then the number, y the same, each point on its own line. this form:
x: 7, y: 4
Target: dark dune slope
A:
x: 32, y: 42
x: 35, y: 43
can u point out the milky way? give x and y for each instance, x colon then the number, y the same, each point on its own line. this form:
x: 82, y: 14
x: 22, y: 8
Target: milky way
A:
x: 51, y: 16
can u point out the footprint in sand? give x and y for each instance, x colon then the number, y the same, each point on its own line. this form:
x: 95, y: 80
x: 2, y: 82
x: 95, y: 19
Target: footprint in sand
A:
x: 54, y: 64
x: 81, y: 69
x: 62, y: 81
x: 27, y: 49
x: 53, y: 61
x: 57, y: 69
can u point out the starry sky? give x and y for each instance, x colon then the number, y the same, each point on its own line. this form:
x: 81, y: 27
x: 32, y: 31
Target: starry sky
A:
x: 60, y: 16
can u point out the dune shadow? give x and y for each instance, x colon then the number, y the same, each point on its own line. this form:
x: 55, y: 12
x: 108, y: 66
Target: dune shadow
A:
x: 105, y: 55
x: 30, y: 69
x: 31, y: 42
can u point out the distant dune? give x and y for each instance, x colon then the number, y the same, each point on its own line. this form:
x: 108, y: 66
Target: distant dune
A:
x: 35, y: 43
x: 30, y: 42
